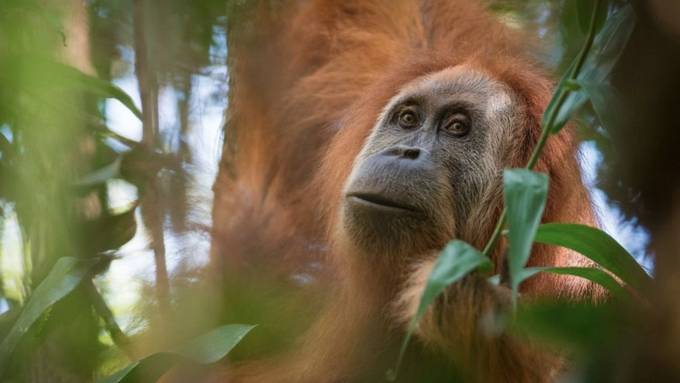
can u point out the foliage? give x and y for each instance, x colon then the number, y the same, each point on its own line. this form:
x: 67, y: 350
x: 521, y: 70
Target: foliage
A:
x: 526, y: 192
x: 64, y: 277
x: 208, y: 348
x: 60, y: 158
x: 525, y: 196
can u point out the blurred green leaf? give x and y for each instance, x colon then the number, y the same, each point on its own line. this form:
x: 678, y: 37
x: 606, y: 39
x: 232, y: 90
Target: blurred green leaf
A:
x: 65, y: 276
x: 597, y: 246
x: 107, y: 90
x: 103, y: 132
x: 5, y: 145
x: 570, y: 34
x: 525, y: 193
x: 457, y: 260
x: 65, y: 76
x: 608, y: 45
x: 581, y: 326
x: 606, y: 102
x: 605, y: 52
x: 206, y: 349
x: 101, y: 175
x: 591, y: 273
x: 570, y: 23
x: 585, y: 14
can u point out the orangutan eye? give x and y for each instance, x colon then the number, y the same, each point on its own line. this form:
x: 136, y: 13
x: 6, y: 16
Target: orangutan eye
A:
x: 408, y: 119
x: 456, y: 124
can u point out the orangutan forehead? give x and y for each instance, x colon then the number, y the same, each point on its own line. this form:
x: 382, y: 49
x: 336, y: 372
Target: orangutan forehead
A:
x: 462, y: 83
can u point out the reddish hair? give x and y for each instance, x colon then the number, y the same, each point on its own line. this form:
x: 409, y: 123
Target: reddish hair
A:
x: 309, y: 80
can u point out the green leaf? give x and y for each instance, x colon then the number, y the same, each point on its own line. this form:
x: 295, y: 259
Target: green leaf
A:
x: 606, y: 102
x: 5, y: 145
x: 101, y: 175
x: 574, y: 100
x: 598, y: 246
x: 65, y: 276
x: 579, y: 326
x: 605, y: 52
x: 525, y: 193
x: 596, y: 275
x: 215, y: 345
x: 457, y: 260
x: 64, y: 76
x: 609, y: 45
x: 206, y: 349
x: 570, y: 28
x: 585, y: 14
x: 107, y: 90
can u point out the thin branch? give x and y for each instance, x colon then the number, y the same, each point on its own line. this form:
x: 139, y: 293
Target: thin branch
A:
x: 153, y: 219
x: 148, y: 86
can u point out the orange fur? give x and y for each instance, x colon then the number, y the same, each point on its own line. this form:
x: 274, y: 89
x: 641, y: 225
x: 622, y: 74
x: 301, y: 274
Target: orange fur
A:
x: 309, y: 79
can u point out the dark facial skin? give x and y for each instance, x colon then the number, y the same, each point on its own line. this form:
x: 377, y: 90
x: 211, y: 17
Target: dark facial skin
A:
x: 433, y: 156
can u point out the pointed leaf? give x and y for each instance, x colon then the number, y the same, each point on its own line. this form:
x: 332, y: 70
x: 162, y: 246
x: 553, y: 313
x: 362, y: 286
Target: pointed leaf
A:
x: 67, y: 77
x: 598, y: 246
x: 580, y: 326
x: 525, y: 193
x: 605, y: 52
x: 609, y: 45
x: 606, y: 102
x: 65, y: 276
x: 102, y: 174
x: 585, y: 14
x: 457, y: 260
x: 206, y: 349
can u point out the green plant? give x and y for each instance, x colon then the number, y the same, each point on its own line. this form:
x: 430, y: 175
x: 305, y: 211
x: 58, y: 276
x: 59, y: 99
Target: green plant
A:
x: 56, y: 150
x: 525, y: 191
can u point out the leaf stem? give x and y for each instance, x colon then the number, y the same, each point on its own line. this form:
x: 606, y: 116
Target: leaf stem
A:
x: 562, y: 94
x: 491, y: 244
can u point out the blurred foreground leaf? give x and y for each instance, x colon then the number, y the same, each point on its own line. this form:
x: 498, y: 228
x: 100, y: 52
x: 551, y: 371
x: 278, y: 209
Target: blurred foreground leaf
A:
x: 206, y: 349
x: 525, y: 193
x: 584, y: 10
x: 597, y: 246
x: 605, y: 52
x: 608, y: 45
x: 102, y: 174
x: 457, y: 260
x: 65, y: 276
x: 64, y: 76
x: 580, y: 326
x: 606, y: 102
